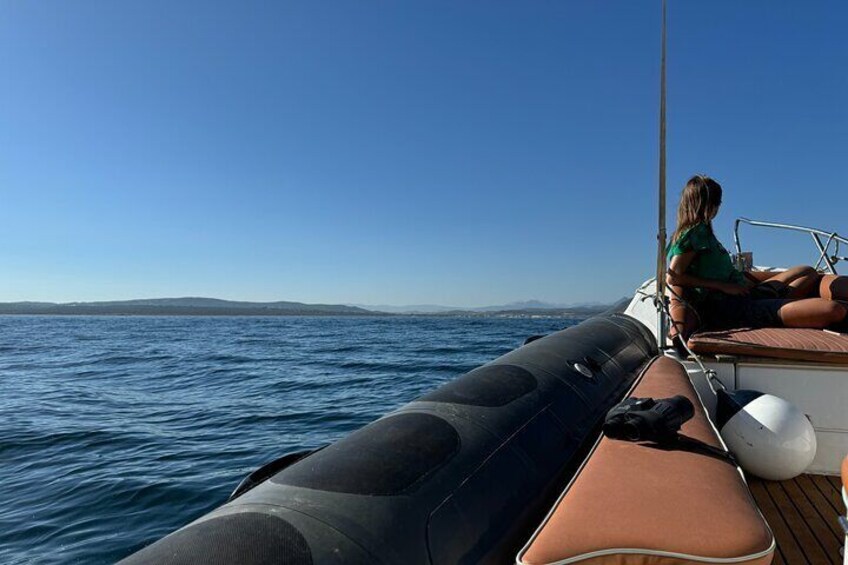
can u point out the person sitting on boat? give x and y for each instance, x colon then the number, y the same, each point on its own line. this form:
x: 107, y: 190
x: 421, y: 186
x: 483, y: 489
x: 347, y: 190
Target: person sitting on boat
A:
x: 701, y: 274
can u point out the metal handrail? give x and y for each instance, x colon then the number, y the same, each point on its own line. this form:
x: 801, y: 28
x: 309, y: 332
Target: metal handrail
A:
x: 815, y: 233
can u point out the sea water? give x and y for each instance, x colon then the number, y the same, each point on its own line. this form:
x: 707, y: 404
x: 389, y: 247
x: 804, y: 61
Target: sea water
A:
x: 115, y: 431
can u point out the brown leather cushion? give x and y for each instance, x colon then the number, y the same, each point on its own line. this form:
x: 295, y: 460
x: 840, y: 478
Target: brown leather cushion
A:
x: 638, y: 504
x: 780, y: 343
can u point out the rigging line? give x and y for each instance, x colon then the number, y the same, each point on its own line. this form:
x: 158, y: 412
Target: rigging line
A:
x: 712, y: 377
x: 661, y: 233
x: 663, y: 310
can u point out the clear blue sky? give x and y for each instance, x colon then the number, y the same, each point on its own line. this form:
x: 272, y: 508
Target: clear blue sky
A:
x: 462, y: 153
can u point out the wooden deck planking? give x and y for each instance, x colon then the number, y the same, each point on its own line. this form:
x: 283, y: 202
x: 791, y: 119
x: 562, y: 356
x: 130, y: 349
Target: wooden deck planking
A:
x: 787, y: 549
x: 821, y: 504
x: 828, y: 489
x: 817, y: 523
x: 802, y: 513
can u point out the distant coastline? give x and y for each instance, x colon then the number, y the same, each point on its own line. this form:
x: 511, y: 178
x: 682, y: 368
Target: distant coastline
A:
x: 215, y: 307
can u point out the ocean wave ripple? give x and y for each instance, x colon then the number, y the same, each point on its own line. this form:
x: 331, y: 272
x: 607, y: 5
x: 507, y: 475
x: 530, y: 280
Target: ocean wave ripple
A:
x: 118, y: 430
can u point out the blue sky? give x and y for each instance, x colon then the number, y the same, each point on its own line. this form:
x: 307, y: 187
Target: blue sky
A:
x: 462, y: 153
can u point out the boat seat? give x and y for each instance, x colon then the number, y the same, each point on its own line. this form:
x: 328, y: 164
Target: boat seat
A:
x: 641, y: 504
x: 793, y: 344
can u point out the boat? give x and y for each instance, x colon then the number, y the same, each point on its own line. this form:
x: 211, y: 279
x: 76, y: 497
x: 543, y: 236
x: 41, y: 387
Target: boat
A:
x: 483, y: 469
x: 806, y: 367
x: 509, y: 462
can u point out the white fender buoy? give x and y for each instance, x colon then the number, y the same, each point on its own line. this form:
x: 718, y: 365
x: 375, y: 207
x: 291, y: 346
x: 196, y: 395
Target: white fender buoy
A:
x: 769, y: 436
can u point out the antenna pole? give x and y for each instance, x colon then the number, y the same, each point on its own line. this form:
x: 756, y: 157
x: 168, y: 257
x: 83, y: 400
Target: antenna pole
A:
x: 662, y: 236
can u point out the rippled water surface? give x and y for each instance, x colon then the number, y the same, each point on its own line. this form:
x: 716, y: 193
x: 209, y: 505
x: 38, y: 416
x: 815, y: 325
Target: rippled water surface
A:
x: 115, y: 431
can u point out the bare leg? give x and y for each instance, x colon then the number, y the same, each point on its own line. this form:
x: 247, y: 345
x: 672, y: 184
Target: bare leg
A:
x: 802, y: 281
x: 684, y: 318
x: 833, y: 287
x: 812, y: 313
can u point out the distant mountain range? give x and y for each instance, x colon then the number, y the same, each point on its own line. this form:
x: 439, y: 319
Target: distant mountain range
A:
x: 194, y: 306
x: 511, y: 307
x: 190, y: 306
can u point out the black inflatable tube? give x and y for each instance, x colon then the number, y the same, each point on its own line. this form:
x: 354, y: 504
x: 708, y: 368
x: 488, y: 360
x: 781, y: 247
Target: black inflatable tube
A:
x: 461, y: 475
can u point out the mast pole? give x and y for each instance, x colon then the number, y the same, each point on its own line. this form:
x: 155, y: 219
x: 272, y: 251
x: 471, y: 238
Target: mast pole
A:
x: 662, y: 328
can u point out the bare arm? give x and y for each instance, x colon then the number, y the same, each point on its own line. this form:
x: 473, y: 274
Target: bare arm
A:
x: 677, y: 276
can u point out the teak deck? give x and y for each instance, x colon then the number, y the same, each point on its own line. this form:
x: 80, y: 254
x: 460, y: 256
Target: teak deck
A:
x: 803, y: 514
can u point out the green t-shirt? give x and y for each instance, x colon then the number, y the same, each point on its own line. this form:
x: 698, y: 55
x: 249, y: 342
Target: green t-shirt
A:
x: 712, y: 261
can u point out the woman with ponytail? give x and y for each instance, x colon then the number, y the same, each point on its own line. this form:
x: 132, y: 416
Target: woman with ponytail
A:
x: 724, y: 297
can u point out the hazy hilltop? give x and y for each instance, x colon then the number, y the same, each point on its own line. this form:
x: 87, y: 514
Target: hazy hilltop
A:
x: 188, y: 306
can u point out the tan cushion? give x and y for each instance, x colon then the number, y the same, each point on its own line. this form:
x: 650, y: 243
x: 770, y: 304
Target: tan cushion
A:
x: 637, y: 504
x: 779, y: 343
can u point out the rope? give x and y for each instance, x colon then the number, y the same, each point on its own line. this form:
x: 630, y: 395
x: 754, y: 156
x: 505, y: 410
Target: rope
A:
x: 712, y: 378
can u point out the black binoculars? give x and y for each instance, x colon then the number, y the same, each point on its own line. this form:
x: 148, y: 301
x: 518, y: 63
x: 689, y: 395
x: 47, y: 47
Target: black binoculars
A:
x: 646, y: 419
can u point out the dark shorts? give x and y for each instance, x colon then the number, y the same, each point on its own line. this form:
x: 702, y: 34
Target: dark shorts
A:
x: 766, y: 290
x: 720, y: 311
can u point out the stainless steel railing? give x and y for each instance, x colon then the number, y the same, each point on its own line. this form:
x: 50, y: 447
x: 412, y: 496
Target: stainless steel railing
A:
x: 825, y: 255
